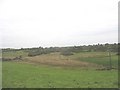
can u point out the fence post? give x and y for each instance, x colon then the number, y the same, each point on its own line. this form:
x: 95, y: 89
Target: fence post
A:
x: 110, y: 63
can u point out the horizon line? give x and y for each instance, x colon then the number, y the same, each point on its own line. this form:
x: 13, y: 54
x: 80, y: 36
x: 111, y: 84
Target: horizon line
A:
x: 57, y: 46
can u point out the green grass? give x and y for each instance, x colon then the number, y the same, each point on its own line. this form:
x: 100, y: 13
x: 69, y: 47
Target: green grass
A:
x: 100, y: 58
x: 21, y: 75
x: 102, y: 61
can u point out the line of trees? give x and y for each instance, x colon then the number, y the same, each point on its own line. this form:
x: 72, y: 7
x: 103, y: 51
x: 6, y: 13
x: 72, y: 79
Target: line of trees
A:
x: 69, y: 50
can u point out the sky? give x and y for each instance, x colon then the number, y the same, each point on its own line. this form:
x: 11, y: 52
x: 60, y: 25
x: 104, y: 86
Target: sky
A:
x: 46, y: 23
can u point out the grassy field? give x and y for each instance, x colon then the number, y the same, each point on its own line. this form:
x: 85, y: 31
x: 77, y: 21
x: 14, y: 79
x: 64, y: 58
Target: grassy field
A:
x: 27, y: 75
x: 58, y: 71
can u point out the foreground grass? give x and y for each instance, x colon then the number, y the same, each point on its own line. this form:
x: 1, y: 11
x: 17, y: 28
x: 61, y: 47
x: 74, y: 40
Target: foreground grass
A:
x: 21, y: 75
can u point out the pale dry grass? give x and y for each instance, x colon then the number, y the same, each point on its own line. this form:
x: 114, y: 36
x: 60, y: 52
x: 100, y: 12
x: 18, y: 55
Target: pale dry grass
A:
x: 58, y: 60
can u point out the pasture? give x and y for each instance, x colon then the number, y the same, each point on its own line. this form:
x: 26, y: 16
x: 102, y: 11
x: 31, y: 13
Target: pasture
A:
x: 81, y: 70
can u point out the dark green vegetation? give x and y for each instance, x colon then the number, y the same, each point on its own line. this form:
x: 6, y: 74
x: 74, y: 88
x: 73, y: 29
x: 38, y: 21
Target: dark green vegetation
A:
x: 55, y: 67
x: 67, y: 50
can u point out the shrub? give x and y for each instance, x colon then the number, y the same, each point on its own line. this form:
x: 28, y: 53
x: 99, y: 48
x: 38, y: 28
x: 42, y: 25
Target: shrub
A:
x: 66, y: 53
x: 37, y: 52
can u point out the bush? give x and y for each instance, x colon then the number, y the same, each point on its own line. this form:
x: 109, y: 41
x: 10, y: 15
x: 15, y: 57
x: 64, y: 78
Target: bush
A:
x: 32, y: 54
x: 37, y: 52
x: 118, y: 53
x: 66, y: 53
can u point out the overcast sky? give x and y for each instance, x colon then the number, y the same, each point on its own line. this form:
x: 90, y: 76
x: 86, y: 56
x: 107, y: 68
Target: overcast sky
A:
x: 33, y: 23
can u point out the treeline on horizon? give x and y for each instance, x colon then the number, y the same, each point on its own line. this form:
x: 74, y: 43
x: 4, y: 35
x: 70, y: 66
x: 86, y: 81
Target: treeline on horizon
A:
x: 68, y: 50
